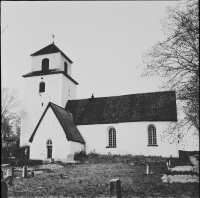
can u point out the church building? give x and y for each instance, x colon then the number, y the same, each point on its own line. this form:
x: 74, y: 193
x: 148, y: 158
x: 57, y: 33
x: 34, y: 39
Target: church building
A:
x: 59, y: 124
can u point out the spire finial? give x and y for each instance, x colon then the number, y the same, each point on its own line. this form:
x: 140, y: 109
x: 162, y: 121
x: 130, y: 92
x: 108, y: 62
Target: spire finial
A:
x: 53, y: 37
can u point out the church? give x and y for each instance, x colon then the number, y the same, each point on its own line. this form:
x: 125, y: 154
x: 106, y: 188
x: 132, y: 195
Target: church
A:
x: 58, y: 124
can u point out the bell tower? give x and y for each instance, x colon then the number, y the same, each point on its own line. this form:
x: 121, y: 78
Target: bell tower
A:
x: 49, y: 81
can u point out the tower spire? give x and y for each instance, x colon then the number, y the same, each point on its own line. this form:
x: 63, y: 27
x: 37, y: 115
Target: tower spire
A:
x: 53, y: 37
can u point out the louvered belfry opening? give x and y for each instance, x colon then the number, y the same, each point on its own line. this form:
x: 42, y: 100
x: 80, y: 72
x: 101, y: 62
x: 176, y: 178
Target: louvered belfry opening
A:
x: 45, y: 64
x: 66, y: 68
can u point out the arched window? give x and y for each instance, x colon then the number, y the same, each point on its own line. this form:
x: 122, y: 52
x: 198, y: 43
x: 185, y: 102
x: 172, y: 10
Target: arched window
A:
x: 42, y: 87
x: 65, y: 68
x: 152, y: 140
x: 45, y: 64
x: 112, y: 137
x: 49, y: 142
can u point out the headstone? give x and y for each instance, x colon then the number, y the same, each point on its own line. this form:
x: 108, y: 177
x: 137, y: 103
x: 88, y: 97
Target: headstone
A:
x: 51, y: 160
x: 4, y: 189
x: 9, y: 173
x: 116, y: 183
x: 24, y: 172
x: 32, y: 173
x: 9, y: 180
x: 147, y: 169
x: 13, y: 169
x: 169, y: 162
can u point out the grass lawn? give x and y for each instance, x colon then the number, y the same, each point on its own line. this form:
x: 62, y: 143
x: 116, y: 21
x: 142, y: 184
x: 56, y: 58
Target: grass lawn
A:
x: 91, y: 179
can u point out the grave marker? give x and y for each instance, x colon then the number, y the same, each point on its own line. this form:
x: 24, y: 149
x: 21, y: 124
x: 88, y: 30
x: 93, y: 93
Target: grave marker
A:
x: 4, y: 189
x: 9, y: 173
x: 169, y: 162
x: 32, y: 173
x: 13, y: 169
x: 116, y: 183
x: 24, y: 172
x: 147, y: 169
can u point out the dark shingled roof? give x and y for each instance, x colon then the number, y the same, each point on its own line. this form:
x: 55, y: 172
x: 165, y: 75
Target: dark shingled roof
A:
x: 71, y: 131
x: 156, y: 106
x: 52, y: 48
x: 48, y: 72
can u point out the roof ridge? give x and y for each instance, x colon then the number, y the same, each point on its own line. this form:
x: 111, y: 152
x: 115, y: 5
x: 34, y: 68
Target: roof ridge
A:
x: 70, y: 135
x: 52, y: 48
x: 156, y: 106
x: 126, y: 95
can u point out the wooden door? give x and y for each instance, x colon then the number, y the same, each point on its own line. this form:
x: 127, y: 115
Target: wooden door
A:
x: 49, y: 151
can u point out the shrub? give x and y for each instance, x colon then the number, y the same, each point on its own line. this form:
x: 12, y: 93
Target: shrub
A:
x: 20, y: 152
x: 80, y: 155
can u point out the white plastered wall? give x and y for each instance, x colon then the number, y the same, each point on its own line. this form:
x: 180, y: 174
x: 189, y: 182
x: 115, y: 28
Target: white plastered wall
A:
x: 49, y: 128
x: 35, y: 102
x: 131, y: 138
x: 58, y: 90
x: 56, y: 60
x: 69, y: 68
x: 67, y: 91
x: 76, y: 147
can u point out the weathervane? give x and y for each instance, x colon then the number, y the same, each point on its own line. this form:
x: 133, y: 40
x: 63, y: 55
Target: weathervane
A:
x: 53, y: 37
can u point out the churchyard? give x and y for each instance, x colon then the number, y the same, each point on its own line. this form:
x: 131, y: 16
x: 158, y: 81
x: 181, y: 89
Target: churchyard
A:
x: 91, y: 176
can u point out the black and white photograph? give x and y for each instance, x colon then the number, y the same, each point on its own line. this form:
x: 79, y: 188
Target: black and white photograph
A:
x: 100, y: 99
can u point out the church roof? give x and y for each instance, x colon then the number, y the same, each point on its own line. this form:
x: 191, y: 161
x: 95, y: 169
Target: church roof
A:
x: 52, y: 48
x: 48, y: 72
x: 71, y: 131
x: 156, y: 106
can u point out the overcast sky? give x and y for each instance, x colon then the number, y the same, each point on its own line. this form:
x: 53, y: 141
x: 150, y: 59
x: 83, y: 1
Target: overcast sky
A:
x: 105, y: 41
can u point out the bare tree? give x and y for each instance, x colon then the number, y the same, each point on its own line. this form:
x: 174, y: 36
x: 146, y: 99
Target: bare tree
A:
x: 11, y: 115
x: 176, y: 60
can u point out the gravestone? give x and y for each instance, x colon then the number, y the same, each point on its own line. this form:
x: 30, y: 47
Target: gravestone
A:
x: 32, y: 173
x: 147, y: 169
x: 9, y: 173
x: 116, y: 183
x: 13, y: 169
x: 4, y: 189
x: 24, y: 172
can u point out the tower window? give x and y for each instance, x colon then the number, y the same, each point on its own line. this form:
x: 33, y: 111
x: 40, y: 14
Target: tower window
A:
x: 152, y: 140
x: 42, y: 87
x: 45, y: 64
x: 65, y: 68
